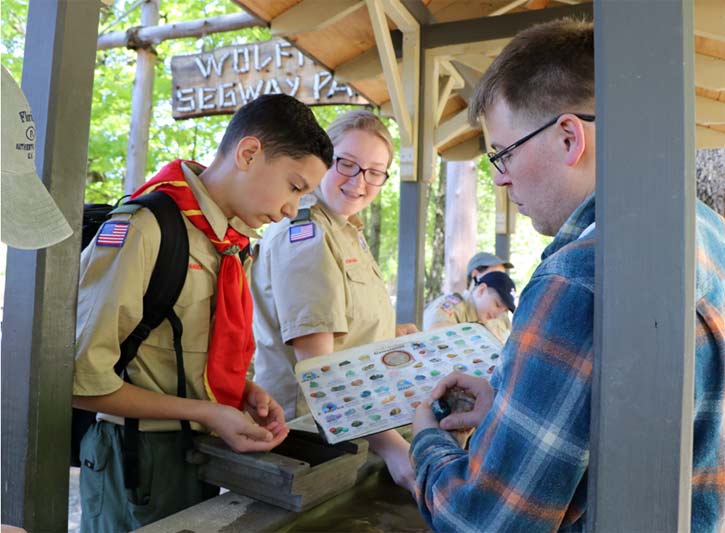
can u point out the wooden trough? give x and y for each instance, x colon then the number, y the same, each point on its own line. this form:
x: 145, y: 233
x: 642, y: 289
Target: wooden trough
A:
x: 300, y: 473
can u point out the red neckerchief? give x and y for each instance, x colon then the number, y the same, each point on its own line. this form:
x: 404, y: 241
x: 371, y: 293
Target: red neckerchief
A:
x: 232, y: 342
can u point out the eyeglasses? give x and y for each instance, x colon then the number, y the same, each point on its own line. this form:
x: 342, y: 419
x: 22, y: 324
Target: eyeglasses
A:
x: 497, y: 158
x: 350, y: 169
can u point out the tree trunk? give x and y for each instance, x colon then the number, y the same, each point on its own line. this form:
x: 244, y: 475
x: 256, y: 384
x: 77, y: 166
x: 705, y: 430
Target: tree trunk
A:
x: 710, y: 165
x: 434, y: 276
x: 461, y: 211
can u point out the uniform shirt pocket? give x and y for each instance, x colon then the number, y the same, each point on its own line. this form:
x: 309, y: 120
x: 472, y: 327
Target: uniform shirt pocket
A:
x: 194, y: 309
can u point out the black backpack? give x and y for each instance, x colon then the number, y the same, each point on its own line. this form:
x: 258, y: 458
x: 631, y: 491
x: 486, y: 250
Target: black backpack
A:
x: 167, y: 280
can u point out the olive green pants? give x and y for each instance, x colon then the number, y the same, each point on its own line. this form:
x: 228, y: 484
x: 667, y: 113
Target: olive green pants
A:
x: 167, y: 484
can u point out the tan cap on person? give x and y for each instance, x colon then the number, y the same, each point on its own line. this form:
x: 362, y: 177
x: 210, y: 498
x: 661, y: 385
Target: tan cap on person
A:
x: 30, y: 218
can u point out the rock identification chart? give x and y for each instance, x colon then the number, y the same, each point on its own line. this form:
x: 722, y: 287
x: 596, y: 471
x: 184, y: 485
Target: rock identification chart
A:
x: 372, y: 388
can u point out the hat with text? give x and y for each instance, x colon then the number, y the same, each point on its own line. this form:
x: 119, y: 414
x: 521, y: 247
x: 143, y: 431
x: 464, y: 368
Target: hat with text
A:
x: 503, y: 285
x: 483, y: 259
x: 30, y: 218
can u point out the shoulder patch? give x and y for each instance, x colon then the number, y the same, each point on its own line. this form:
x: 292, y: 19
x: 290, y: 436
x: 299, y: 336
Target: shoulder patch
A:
x: 112, y: 233
x: 453, y: 299
x: 301, y: 232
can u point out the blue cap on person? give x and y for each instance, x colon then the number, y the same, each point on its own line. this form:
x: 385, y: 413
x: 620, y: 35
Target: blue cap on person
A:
x: 503, y: 285
x: 30, y: 218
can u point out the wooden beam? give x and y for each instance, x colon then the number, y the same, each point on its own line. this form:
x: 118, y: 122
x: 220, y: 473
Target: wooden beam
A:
x: 507, y: 8
x: 145, y: 37
x: 488, y: 28
x: 142, y: 99
x: 390, y: 68
x: 428, y: 160
x: 537, y: 4
x: 453, y: 81
x: 452, y: 128
x: 709, y: 44
x: 400, y: 15
x: 312, y: 15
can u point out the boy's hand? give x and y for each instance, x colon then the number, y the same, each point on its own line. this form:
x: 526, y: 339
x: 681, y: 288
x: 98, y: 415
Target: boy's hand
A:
x: 264, y: 409
x: 479, y: 388
x: 239, y: 430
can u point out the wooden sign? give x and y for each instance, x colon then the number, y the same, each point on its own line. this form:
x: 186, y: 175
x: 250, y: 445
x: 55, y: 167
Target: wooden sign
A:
x: 220, y: 81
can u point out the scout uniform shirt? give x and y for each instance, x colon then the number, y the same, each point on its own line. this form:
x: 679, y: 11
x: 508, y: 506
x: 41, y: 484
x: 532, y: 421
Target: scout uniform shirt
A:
x: 113, y: 281
x: 450, y: 309
x: 315, y: 276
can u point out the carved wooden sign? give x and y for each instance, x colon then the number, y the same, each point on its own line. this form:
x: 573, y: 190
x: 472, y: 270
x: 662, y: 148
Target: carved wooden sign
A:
x: 219, y: 81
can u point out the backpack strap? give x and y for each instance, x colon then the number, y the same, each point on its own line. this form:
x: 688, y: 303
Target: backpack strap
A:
x: 167, y: 280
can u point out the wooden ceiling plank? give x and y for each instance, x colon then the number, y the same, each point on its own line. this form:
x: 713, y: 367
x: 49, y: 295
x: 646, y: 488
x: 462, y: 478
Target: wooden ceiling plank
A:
x: 708, y: 138
x: 709, y: 72
x: 312, y: 15
x: 363, y: 67
x: 390, y: 68
x: 709, y: 17
x: 709, y: 111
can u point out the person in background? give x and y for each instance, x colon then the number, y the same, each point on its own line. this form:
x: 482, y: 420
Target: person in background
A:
x: 272, y: 153
x: 491, y: 296
x: 449, y: 309
x: 317, y: 288
x: 527, y: 462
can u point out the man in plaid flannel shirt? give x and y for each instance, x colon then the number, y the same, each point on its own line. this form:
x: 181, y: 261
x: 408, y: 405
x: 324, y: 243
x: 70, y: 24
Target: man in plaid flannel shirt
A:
x: 526, y: 468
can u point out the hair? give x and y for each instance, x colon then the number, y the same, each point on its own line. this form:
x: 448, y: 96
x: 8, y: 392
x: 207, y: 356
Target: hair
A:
x: 284, y: 125
x: 544, y: 70
x: 361, y: 119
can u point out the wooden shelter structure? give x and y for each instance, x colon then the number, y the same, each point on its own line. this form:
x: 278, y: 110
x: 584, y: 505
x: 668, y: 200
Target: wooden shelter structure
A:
x: 660, y: 89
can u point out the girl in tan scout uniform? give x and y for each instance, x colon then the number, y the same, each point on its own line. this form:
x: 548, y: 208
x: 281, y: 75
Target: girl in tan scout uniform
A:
x: 273, y: 152
x: 317, y: 288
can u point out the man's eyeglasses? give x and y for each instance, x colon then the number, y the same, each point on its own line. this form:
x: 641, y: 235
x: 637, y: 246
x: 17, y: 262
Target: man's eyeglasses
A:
x: 350, y: 169
x: 498, y: 159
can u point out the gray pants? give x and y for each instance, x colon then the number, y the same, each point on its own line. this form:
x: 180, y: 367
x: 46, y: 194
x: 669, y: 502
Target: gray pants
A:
x: 167, y: 483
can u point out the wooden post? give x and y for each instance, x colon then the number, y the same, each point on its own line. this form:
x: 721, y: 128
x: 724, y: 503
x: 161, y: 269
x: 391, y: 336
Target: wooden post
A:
x: 141, y: 105
x: 41, y: 286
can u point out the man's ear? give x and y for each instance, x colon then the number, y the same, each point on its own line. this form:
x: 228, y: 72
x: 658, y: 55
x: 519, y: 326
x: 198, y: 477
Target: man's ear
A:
x: 247, y: 149
x: 480, y: 289
x: 572, y: 137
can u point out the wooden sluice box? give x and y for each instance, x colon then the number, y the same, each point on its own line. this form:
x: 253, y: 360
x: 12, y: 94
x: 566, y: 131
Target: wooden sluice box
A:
x: 300, y: 473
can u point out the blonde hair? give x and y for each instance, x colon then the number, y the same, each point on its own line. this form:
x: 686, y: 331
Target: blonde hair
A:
x: 360, y: 119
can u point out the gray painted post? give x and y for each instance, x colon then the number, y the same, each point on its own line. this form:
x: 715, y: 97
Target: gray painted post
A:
x: 141, y: 105
x: 642, y: 398
x: 411, y: 230
x: 41, y: 287
x: 503, y: 246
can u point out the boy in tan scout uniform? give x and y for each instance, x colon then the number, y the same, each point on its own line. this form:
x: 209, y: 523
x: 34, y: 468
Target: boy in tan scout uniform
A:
x: 272, y: 153
x: 449, y: 309
x: 491, y: 296
x: 317, y: 288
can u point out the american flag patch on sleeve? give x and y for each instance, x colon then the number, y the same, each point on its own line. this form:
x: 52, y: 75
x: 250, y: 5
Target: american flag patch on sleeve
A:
x: 112, y: 234
x: 301, y: 232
